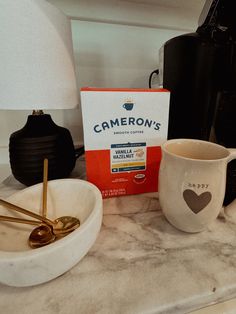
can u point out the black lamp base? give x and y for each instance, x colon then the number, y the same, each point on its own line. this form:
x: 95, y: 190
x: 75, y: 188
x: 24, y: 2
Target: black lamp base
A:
x: 41, y: 138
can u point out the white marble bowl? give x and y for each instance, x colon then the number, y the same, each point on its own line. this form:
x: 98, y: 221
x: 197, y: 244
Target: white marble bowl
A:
x: 22, y: 266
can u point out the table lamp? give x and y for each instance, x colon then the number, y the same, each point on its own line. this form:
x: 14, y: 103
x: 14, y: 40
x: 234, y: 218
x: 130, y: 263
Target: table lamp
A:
x: 37, y: 73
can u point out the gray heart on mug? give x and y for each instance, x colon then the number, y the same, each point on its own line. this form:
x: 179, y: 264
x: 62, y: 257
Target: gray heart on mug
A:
x: 196, y: 202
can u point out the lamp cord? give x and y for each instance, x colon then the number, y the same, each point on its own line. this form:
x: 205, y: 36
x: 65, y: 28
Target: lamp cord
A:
x: 79, y: 151
x: 150, y: 77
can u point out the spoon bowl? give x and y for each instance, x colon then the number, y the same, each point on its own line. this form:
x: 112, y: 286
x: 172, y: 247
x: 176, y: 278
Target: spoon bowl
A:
x: 66, y: 197
x: 65, y: 224
x: 41, y: 236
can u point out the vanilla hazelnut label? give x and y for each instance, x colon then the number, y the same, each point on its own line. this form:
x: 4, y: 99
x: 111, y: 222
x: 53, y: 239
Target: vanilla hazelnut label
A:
x: 128, y: 157
x: 123, y: 131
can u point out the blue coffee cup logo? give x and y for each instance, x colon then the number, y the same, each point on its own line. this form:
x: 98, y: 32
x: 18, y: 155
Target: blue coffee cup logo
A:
x: 128, y: 105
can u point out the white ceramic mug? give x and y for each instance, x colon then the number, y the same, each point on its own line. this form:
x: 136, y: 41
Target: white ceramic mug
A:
x: 192, y: 181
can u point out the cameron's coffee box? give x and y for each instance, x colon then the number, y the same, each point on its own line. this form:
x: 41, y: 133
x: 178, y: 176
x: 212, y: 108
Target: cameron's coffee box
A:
x: 123, y: 131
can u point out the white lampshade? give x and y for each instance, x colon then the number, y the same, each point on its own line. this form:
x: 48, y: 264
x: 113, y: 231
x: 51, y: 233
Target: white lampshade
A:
x: 36, y: 57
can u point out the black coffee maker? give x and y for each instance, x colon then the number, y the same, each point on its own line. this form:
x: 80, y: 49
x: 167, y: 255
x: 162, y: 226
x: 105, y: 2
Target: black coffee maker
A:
x: 200, y: 71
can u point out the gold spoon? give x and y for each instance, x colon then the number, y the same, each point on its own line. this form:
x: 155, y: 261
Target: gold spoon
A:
x: 61, y: 225
x: 42, y: 235
x: 45, y: 186
x: 32, y: 222
x: 20, y: 220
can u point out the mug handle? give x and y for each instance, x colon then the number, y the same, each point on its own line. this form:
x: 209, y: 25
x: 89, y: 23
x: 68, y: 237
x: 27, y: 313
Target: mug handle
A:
x: 230, y: 210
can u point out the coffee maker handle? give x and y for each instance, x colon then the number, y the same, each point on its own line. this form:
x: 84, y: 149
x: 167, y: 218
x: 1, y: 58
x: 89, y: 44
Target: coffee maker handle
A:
x: 229, y: 211
x: 232, y: 155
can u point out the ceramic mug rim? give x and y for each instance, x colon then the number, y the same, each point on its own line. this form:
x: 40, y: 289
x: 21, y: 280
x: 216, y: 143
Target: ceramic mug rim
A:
x: 224, y: 151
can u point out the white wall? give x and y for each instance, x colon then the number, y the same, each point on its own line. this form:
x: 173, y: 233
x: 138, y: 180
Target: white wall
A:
x: 113, y: 48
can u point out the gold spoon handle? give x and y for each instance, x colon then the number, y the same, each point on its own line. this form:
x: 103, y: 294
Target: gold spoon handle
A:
x: 19, y: 220
x: 26, y: 212
x: 45, y: 185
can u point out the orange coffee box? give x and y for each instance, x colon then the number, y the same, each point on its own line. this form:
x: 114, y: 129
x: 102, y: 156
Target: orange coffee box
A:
x: 123, y: 131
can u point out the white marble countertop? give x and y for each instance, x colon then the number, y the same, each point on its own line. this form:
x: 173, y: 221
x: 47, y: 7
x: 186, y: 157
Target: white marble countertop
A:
x: 139, y: 264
